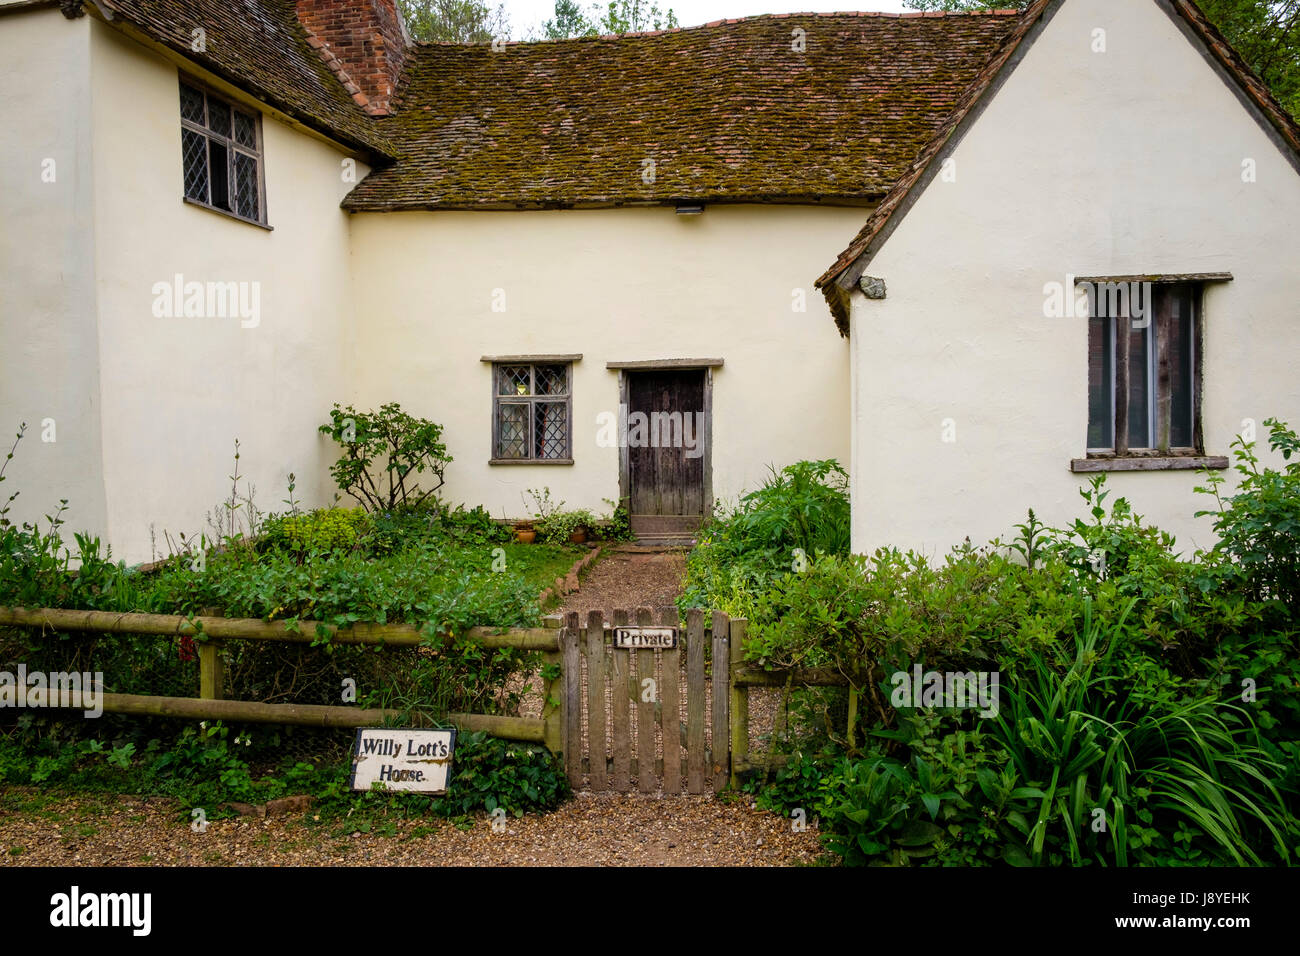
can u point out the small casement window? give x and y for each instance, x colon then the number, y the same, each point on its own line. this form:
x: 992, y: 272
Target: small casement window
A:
x: 531, y: 412
x: 221, y: 149
x: 1144, y: 343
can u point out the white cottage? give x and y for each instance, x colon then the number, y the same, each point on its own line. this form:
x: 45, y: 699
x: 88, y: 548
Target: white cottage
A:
x: 1115, y: 152
x: 221, y: 217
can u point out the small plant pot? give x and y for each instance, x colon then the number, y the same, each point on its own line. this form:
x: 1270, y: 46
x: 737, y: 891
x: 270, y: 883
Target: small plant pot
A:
x: 525, y: 535
x: 579, y: 536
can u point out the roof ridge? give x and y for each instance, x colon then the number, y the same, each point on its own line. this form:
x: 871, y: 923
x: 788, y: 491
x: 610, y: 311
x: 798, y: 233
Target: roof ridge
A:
x: 634, y: 34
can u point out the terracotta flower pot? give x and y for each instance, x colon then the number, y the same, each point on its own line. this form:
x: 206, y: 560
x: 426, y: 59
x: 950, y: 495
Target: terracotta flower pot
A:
x: 525, y: 535
x: 579, y: 536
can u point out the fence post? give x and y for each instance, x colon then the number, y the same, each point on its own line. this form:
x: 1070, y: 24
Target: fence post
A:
x: 212, y: 671
x: 553, y: 692
x: 739, y: 704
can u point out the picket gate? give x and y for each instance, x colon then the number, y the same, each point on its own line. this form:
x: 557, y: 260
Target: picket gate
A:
x: 649, y: 720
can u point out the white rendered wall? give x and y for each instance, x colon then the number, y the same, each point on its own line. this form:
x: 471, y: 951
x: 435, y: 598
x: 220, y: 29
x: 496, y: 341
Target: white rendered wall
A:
x: 613, y: 285
x: 178, y: 391
x: 49, y: 348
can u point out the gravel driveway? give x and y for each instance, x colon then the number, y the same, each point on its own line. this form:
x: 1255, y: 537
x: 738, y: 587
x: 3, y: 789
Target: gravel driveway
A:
x: 589, y: 830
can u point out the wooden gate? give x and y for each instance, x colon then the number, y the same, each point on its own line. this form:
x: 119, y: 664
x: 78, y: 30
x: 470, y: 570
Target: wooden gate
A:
x: 658, y: 718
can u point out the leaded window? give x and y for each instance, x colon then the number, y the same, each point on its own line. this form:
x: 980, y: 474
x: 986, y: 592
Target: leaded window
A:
x: 531, y: 408
x: 221, y: 152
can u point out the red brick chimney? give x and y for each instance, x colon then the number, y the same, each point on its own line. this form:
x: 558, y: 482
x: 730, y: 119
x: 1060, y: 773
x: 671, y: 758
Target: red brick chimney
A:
x: 363, y: 41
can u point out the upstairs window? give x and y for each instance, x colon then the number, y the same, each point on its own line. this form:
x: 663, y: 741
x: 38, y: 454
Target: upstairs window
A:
x: 531, y: 412
x: 221, y: 149
x: 1144, y: 343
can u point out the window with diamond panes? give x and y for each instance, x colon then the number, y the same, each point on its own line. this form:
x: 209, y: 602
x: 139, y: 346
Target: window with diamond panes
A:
x: 531, y: 406
x: 221, y: 152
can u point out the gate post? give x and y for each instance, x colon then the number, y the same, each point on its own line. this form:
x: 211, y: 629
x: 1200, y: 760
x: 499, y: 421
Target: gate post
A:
x: 572, y: 699
x: 721, y: 731
x: 739, y: 705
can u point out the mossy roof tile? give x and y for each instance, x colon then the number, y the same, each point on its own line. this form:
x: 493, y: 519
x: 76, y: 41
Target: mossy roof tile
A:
x: 727, y: 112
x: 261, y: 47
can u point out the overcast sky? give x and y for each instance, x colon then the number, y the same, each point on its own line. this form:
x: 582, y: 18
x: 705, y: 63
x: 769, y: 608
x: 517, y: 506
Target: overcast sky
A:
x: 525, y: 14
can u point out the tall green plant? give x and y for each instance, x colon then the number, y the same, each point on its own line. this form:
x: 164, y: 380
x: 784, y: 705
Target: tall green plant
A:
x: 389, y: 458
x: 1121, y: 771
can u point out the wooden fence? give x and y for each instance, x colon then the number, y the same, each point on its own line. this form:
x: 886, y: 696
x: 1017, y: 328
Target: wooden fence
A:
x: 743, y: 678
x: 214, y: 631
x: 686, y: 731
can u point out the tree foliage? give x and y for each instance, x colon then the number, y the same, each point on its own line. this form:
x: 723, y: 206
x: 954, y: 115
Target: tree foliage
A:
x: 454, y: 21
x: 618, y: 16
x: 1265, y: 32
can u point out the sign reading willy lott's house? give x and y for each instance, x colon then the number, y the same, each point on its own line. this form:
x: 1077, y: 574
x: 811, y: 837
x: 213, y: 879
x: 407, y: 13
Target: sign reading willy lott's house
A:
x: 403, y: 759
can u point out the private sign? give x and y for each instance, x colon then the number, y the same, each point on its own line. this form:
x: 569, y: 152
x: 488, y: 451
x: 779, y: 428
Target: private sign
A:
x: 645, y: 637
x: 403, y: 759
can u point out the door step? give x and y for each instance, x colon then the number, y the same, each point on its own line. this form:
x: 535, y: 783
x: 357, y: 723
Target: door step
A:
x: 662, y: 540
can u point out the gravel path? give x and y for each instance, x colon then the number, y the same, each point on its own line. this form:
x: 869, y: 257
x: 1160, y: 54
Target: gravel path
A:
x: 589, y: 830
x: 629, y: 578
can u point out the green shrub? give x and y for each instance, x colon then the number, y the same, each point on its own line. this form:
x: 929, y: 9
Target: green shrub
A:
x: 489, y: 772
x: 1150, y: 702
x: 388, y: 457
x: 328, y: 529
x: 1259, y: 526
x: 210, y: 765
x: 799, y: 512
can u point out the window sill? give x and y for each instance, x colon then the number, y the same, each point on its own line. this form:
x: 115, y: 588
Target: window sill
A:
x: 227, y: 213
x: 1148, y: 463
x: 530, y: 461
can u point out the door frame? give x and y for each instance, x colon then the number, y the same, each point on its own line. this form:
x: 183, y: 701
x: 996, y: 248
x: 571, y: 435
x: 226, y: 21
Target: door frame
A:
x: 667, y: 365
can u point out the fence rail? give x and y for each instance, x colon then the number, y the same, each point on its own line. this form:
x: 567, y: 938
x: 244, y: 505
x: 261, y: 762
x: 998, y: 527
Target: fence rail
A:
x: 214, y: 631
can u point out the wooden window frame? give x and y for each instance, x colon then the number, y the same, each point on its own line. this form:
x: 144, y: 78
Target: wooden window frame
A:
x: 1160, y: 456
x: 233, y: 147
x: 532, y: 399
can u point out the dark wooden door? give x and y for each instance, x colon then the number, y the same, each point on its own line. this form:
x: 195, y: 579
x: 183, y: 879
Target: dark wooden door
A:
x: 667, y: 437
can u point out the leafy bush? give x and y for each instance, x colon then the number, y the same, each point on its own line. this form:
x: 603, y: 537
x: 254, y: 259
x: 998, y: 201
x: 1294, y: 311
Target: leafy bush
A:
x: 1259, y: 526
x: 618, y: 526
x: 211, y: 765
x: 328, y: 529
x: 1149, y: 702
x: 387, y: 444
x: 1148, y: 764
x: 552, y: 522
x: 489, y: 772
x: 798, y: 513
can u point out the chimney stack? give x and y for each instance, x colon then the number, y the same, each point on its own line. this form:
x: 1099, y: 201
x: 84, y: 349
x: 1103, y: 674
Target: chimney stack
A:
x: 363, y: 41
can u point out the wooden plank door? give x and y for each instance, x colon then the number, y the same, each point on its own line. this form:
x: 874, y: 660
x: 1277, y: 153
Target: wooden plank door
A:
x: 667, y: 436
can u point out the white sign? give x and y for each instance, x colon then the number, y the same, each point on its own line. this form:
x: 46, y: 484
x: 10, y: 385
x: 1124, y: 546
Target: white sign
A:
x: 403, y: 759
x: 645, y: 637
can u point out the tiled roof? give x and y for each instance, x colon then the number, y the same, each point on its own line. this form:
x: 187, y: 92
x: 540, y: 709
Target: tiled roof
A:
x: 836, y: 283
x: 259, y: 46
x: 726, y: 112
